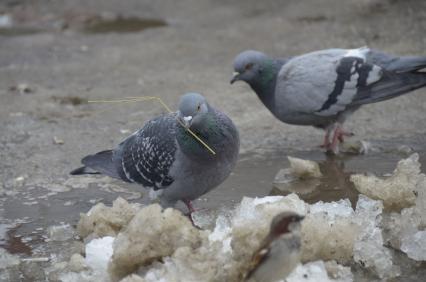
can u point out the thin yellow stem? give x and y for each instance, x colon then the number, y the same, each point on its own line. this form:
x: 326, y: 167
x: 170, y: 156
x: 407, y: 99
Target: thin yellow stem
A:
x: 147, y: 98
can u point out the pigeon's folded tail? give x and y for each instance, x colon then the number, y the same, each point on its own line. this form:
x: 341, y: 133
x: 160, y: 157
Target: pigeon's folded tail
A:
x: 83, y: 170
x: 99, y: 163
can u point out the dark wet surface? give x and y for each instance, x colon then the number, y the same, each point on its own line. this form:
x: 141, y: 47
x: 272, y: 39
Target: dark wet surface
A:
x: 18, y: 31
x: 92, y: 25
x: 121, y: 25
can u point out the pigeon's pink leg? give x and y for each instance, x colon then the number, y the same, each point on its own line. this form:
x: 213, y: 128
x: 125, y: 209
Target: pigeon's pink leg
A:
x: 338, y: 136
x: 343, y: 134
x: 191, y: 210
x: 188, y: 204
x: 326, y: 142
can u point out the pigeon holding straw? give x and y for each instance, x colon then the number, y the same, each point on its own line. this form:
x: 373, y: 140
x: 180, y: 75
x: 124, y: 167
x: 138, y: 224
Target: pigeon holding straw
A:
x: 164, y: 154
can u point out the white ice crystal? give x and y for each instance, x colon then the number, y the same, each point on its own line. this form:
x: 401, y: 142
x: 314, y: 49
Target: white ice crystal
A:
x: 368, y: 249
x: 98, y: 253
x: 341, y: 208
x: 61, y: 232
x: 414, y: 245
x: 222, y: 233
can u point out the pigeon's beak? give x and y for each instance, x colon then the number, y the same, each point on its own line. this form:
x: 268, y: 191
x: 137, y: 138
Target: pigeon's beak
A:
x: 235, y: 77
x: 187, y: 121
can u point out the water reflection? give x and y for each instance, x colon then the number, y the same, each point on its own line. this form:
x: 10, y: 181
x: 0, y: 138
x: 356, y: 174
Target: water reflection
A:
x: 332, y: 186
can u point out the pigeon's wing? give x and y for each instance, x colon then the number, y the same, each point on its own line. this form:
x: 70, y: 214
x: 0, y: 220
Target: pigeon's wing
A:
x: 147, y: 156
x: 324, y: 83
x: 400, y: 75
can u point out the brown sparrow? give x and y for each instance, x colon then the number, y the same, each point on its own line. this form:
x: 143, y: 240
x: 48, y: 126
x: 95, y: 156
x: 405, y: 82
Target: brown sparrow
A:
x: 279, y: 252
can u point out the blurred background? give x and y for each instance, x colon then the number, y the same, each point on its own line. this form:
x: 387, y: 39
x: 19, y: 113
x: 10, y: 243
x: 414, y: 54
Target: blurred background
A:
x: 55, y: 55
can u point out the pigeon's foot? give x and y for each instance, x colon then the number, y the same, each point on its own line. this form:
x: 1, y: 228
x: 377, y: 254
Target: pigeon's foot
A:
x: 189, y: 205
x: 338, y: 137
x: 326, y: 143
x: 191, y: 210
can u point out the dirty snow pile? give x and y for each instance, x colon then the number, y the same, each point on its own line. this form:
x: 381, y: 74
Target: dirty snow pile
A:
x: 404, y: 196
x: 130, y: 243
x: 162, y: 245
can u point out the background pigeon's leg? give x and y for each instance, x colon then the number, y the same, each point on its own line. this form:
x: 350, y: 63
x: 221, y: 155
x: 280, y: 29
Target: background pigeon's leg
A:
x: 343, y: 134
x: 326, y: 142
x: 338, y: 137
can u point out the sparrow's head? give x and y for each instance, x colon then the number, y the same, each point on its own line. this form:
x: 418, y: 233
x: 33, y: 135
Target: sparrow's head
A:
x: 248, y: 66
x: 193, y: 108
x: 285, y: 222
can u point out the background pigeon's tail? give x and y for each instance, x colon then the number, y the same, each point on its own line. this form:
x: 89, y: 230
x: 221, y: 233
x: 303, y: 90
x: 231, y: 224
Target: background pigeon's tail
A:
x: 406, y: 64
x: 401, y: 75
x: 100, y: 163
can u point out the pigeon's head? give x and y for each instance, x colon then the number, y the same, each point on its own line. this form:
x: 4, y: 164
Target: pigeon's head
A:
x: 193, y: 108
x: 248, y: 66
x: 285, y: 222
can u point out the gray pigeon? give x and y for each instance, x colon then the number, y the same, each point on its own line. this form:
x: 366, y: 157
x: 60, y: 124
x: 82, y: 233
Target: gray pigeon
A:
x: 323, y: 88
x: 164, y: 156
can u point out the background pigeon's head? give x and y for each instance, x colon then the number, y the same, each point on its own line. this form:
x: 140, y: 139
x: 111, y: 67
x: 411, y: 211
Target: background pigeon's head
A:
x: 248, y: 65
x: 193, y: 108
x: 285, y: 222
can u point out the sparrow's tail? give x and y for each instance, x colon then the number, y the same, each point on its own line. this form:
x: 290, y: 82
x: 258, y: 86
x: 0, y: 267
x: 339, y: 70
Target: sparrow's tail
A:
x: 99, y: 163
x: 401, y: 75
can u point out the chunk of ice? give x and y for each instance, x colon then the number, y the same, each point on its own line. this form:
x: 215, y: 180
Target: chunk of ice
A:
x: 98, y: 253
x: 414, y: 245
x: 304, y: 169
x: 310, y: 272
x: 397, y: 191
x: 368, y: 248
x: 341, y: 208
x: 61, y: 232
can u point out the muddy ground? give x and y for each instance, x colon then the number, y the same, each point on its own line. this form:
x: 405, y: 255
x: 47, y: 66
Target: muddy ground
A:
x: 57, y: 55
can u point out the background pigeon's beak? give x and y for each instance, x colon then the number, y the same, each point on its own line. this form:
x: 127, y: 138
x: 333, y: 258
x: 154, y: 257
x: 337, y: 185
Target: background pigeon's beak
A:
x: 235, y: 77
x: 187, y: 121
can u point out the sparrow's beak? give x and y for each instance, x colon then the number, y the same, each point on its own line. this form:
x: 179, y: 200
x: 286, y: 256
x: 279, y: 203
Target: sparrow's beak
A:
x: 300, y: 217
x: 235, y: 77
x: 187, y: 121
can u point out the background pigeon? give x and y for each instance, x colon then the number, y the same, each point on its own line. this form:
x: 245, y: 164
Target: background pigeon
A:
x: 163, y: 155
x: 279, y: 252
x: 323, y: 88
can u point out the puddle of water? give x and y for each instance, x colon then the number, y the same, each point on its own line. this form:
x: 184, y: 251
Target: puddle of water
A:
x: 253, y: 177
x: 334, y: 185
x: 122, y: 25
x: 14, y: 244
x: 70, y: 100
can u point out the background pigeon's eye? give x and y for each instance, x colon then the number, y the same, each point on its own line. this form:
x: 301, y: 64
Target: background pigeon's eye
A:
x: 199, y: 107
x: 248, y: 66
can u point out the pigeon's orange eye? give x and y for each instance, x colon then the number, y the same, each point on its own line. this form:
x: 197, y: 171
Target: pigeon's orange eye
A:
x: 248, y: 66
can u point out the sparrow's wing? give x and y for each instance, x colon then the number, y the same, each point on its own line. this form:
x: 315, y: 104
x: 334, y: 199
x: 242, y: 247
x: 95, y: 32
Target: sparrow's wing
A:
x: 258, y: 258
